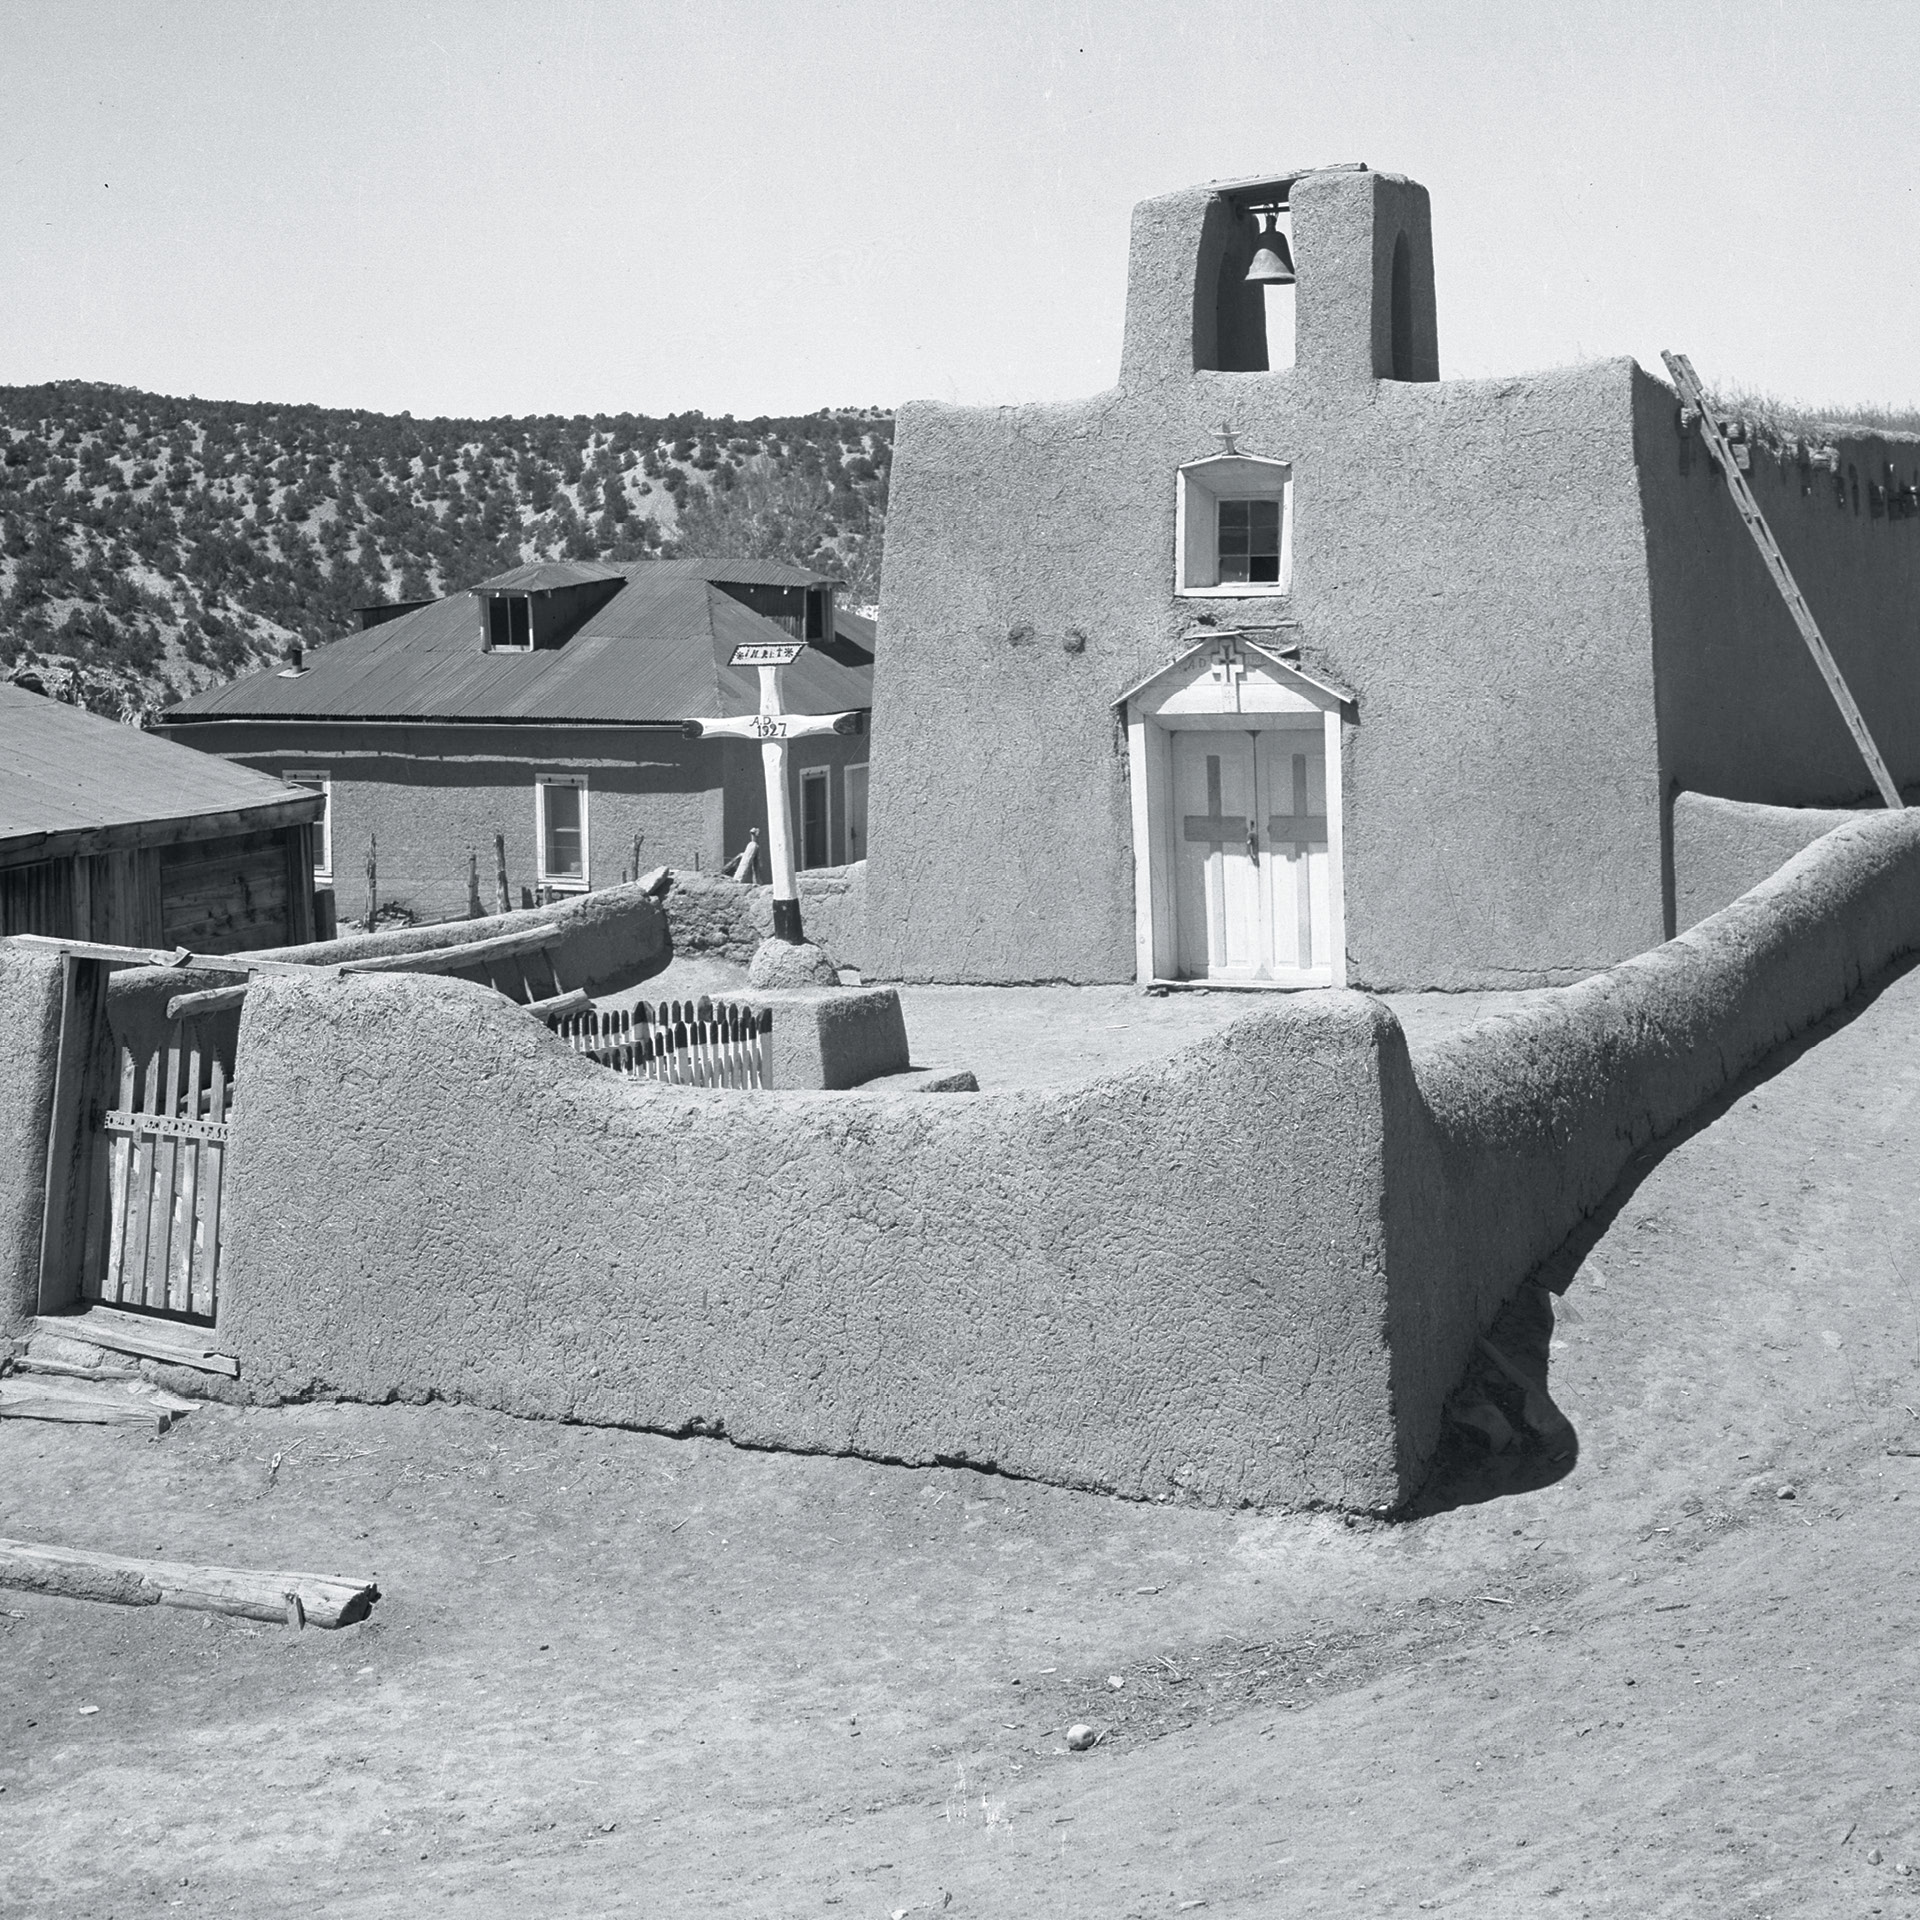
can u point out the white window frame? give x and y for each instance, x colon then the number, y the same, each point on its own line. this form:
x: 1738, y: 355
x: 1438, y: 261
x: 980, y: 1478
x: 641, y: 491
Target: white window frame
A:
x: 582, y: 881
x: 315, y: 781
x: 824, y: 777
x: 1196, y: 542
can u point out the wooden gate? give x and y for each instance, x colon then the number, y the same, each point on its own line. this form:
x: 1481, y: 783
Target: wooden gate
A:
x: 159, y: 1157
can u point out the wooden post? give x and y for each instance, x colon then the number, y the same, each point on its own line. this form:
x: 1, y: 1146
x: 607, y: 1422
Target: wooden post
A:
x: 473, y: 885
x: 503, y: 895
x: 373, y: 881
x: 773, y: 764
x: 637, y: 838
x: 70, y: 1143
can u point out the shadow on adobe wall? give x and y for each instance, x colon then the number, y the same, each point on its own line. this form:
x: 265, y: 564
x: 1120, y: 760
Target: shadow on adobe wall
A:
x: 1463, y: 1471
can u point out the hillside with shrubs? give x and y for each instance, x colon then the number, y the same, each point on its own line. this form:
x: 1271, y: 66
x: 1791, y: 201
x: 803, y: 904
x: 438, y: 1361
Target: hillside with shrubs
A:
x: 150, y: 546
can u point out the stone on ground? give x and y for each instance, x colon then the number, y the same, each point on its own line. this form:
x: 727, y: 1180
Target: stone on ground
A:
x: 785, y: 963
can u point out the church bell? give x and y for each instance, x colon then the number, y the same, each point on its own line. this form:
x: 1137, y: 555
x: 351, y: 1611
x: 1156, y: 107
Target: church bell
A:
x: 1272, y: 260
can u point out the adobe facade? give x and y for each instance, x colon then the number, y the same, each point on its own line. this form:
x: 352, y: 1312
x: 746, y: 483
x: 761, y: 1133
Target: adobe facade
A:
x: 1508, y: 621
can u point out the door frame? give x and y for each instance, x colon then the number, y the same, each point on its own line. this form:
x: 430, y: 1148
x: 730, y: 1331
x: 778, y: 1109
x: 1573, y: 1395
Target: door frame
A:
x: 1225, y: 683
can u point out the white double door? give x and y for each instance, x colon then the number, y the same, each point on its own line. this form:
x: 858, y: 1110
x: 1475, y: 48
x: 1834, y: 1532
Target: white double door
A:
x: 1252, y: 877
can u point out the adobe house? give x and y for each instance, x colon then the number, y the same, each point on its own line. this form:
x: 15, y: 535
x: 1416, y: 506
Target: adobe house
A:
x: 109, y: 834
x: 1335, y: 672
x: 547, y: 704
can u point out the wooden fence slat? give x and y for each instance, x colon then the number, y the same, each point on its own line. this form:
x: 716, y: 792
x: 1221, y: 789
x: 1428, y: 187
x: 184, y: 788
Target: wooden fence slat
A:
x: 140, y: 1193
x: 166, y: 1167
x: 207, y: 1254
x: 122, y: 1151
x: 180, y: 1265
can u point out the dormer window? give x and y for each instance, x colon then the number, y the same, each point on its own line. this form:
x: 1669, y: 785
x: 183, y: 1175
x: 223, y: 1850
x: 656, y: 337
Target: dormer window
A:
x: 510, y: 623
x: 1235, y: 527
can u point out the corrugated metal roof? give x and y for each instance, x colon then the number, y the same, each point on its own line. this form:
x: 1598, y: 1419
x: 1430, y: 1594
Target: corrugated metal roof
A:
x: 63, y: 769
x: 542, y: 576
x: 655, y: 653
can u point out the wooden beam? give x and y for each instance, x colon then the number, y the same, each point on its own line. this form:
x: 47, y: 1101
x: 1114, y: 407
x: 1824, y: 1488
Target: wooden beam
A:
x: 476, y: 953
x: 575, y: 1002
x: 182, y: 958
x: 26, y: 849
x: 300, y: 1599
x: 163, y: 1340
x: 191, y: 1006
x: 72, y: 1406
x: 1693, y: 395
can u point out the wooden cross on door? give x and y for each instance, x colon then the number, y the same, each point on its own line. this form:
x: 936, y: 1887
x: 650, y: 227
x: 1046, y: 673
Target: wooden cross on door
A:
x: 1216, y: 831
x: 1301, y: 831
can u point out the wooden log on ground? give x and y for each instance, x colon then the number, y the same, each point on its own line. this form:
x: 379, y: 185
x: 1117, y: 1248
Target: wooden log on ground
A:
x: 455, y: 959
x: 575, y: 1002
x: 300, y: 1599
x: 72, y: 1405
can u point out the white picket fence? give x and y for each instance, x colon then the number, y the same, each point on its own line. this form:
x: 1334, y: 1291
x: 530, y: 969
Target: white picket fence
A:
x: 689, y: 1043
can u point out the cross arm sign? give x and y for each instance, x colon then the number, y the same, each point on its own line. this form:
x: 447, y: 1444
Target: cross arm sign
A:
x: 774, y: 726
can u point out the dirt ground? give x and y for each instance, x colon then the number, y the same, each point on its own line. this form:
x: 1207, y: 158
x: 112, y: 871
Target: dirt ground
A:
x: 613, y: 1673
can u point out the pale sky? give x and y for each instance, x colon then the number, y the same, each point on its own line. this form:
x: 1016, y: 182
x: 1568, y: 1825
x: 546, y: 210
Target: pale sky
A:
x: 520, y: 206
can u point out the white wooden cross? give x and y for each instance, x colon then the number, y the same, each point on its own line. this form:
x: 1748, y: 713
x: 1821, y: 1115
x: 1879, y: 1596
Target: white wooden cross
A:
x: 773, y: 727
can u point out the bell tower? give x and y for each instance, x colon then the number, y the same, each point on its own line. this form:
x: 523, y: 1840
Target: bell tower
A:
x: 1360, y: 258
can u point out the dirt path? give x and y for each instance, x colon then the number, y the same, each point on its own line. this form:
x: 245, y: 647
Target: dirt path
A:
x: 614, y: 1673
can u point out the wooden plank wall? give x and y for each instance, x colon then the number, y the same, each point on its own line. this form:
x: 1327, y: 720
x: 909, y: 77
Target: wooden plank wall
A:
x: 225, y: 896
x: 114, y: 897
x: 215, y: 896
x: 38, y: 899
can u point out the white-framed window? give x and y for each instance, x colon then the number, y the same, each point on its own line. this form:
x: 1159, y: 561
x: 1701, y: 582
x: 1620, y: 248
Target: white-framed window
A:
x: 1234, y: 533
x: 816, y: 822
x: 509, y: 623
x: 322, y: 784
x: 560, y: 830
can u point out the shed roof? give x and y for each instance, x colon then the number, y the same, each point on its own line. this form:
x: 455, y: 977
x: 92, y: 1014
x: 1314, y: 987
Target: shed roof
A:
x: 65, y: 771
x: 655, y: 653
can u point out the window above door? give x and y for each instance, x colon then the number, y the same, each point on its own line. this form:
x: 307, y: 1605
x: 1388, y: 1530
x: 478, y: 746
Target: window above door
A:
x: 1234, y: 528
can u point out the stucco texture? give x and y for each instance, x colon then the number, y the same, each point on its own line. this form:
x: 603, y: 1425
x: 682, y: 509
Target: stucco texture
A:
x: 1508, y: 1132
x: 1468, y: 556
x: 30, y: 998
x: 1170, y: 1282
x: 1722, y: 848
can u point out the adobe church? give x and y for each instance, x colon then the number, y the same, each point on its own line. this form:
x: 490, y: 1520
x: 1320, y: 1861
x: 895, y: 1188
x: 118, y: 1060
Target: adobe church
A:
x: 1335, y: 672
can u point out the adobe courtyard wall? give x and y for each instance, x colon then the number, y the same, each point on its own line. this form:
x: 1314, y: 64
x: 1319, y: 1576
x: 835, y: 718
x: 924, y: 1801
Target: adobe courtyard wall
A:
x: 1744, y: 713
x: 1506, y: 1134
x: 1171, y: 1282
x: 30, y: 995
x: 1252, y: 1273
x: 1468, y: 556
x: 1722, y: 848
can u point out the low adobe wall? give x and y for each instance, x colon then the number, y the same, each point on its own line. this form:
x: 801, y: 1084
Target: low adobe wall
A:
x: 1723, y: 847
x: 1251, y: 1273
x: 610, y: 940
x: 1508, y: 1133
x: 1171, y: 1281
x: 30, y: 994
x: 715, y: 918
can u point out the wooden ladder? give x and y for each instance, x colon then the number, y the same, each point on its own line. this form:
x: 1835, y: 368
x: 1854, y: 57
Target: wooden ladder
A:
x: 1693, y: 399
